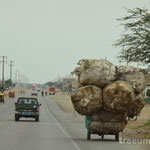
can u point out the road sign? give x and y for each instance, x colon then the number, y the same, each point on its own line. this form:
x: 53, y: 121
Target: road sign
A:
x: 74, y: 84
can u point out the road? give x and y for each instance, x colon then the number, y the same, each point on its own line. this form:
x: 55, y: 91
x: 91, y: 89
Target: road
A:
x: 55, y: 131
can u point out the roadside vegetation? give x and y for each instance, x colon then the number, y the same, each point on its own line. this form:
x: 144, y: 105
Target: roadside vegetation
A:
x: 135, y: 40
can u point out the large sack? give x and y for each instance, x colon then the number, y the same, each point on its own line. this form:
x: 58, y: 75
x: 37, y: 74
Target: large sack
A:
x: 118, y: 96
x: 136, y: 107
x: 127, y: 69
x: 133, y: 77
x: 108, y: 116
x: 107, y: 127
x: 136, y: 80
x: 95, y: 72
x: 87, y: 100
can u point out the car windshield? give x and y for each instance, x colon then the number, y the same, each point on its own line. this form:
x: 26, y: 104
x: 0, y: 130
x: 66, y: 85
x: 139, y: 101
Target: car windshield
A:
x: 27, y: 101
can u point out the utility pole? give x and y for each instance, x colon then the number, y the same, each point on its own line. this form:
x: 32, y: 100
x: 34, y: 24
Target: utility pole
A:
x: 16, y: 76
x: 11, y: 65
x: 3, y: 70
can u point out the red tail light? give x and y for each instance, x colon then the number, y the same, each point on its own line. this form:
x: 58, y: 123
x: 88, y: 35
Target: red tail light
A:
x: 38, y: 108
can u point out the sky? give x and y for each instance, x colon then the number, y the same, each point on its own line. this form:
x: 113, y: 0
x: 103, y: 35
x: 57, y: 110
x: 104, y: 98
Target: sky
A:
x: 46, y: 38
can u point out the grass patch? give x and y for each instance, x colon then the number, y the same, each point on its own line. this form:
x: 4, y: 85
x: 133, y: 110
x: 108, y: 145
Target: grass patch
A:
x: 147, y: 123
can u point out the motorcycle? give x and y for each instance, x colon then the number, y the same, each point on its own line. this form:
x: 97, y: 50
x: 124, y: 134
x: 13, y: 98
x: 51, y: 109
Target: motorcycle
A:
x: 42, y: 94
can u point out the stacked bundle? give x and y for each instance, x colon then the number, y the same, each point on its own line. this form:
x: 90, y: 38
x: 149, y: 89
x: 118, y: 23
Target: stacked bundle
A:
x: 133, y: 77
x: 87, y: 100
x: 95, y: 72
x: 108, y: 122
x: 108, y: 94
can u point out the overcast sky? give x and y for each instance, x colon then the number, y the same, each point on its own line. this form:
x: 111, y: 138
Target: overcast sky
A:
x: 46, y: 38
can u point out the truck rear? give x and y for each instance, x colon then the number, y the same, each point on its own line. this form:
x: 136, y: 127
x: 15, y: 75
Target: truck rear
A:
x: 28, y: 108
x: 52, y: 91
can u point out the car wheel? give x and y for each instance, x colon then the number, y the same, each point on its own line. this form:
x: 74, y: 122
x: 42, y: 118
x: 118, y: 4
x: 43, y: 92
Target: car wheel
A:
x: 16, y: 118
x: 37, y: 118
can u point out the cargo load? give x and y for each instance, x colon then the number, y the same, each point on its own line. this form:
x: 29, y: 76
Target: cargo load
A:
x: 95, y: 72
x: 87, y: 99
x: 107, y: 127
x: 133, y: 76
x: 108, y: 116
x: 138, y: 104
x: 118, y: 96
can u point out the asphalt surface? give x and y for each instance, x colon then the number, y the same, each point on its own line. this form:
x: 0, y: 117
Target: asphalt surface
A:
x: 56, y: 130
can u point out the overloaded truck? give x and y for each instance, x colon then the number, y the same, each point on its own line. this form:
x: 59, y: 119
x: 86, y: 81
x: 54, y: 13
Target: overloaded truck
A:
x: 52, y: 91
x: 108, y: 96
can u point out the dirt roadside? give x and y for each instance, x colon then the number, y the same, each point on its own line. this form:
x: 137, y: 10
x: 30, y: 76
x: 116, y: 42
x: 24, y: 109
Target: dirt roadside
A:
x: 133, y: 130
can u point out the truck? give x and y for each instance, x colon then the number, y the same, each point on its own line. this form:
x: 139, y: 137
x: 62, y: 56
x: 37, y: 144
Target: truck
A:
x: 27, y: 107
x: 33, y: 86
x: 52, y: 91
x: 100, y: 133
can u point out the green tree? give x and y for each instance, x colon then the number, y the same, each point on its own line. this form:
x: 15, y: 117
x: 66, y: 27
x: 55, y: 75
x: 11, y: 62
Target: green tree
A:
x: 8, y: 83
x: 135, y: 40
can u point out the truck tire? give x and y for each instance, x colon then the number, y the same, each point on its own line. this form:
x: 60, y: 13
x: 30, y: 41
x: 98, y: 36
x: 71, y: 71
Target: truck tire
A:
x: 88, y: 135
x: 117, y: 137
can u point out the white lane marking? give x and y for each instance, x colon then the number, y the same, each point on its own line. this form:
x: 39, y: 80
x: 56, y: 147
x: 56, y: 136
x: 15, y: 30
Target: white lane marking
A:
x: 75, y: 145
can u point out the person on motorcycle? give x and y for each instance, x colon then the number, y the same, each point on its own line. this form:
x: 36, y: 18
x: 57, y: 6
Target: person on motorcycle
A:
x: 42, y: 93
x: 45, y: 93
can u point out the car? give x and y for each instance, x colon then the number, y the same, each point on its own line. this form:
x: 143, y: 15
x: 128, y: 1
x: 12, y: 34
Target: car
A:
x: 34, y: 93
x: 27, y: 107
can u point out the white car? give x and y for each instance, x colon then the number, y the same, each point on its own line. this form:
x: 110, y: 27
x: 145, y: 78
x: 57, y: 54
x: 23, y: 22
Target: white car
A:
x: 34, y: 93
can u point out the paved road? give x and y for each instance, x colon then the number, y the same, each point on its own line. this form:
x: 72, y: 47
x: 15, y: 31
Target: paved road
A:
x: 55, y: 131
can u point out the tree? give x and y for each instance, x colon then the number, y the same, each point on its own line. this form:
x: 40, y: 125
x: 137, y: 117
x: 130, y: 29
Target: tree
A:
x: 8, y: 83
x: 50, y: 84
x: 135, y: 40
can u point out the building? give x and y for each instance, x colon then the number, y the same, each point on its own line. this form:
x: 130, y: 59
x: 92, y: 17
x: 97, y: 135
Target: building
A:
x: 68, y: 83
